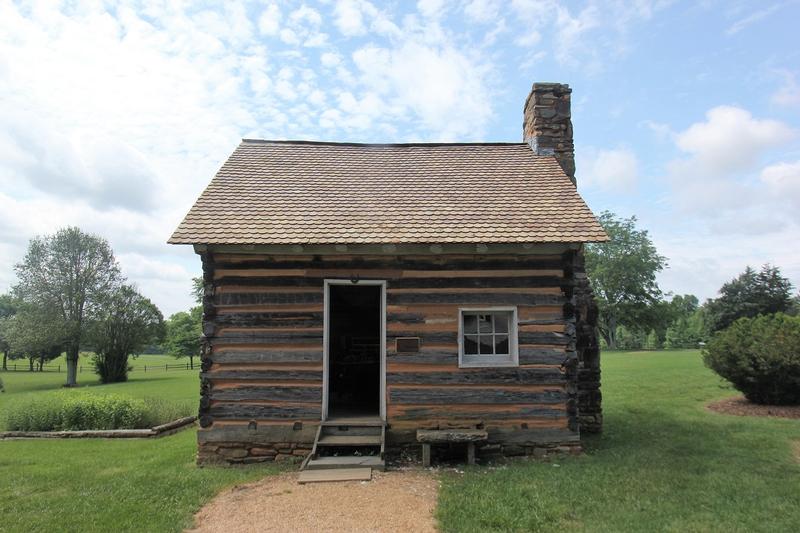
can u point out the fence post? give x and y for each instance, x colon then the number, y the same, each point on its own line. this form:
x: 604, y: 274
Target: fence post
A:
x: 145, y: 368
x: 165, y: 368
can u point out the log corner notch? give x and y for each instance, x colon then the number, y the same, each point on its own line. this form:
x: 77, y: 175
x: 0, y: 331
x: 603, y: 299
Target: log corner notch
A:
x: 582, y: 311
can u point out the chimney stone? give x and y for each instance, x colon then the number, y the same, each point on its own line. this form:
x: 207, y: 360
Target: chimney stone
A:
x: 547, y: 124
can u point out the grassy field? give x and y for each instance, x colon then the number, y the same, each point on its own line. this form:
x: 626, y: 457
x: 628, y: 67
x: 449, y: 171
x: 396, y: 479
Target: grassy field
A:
x: 108, y: 485
x: 178, y: 385
x: 663, y: 464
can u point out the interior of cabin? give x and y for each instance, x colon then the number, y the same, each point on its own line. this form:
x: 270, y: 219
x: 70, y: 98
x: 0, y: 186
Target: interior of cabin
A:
x: 354, y: 351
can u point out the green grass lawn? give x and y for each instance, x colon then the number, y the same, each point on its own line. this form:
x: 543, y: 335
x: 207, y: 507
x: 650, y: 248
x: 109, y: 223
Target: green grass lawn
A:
x: 178, y: 385
x: 663, y: 464
x: 108, y: 485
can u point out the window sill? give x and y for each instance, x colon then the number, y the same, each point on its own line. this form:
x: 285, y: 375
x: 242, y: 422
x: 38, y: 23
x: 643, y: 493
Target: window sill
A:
x: 487, y: 363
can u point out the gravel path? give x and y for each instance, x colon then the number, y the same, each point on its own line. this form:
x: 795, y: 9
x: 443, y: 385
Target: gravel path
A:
x: 392, y: 501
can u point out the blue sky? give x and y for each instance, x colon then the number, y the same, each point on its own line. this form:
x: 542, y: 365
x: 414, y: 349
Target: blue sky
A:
x: 114, y: 116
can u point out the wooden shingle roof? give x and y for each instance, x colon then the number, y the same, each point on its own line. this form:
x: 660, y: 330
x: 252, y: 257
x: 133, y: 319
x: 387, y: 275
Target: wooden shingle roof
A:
x: 296, y: 192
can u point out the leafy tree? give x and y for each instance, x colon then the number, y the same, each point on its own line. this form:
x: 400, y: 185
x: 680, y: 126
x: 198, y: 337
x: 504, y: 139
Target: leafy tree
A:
x: 36, y: 333
x: 623, y: 274
x: 72, y: 273
x: 126, y: 323
x: 750, y: 294
x: 8, y: 307
x: 794, y: 310
x: 198, y: 288
x: 184, y: 333
x: 683, y: 306
x: 686, y: 331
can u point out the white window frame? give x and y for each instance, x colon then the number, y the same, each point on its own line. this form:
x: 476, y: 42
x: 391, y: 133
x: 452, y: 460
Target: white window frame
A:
x: 483, y: 361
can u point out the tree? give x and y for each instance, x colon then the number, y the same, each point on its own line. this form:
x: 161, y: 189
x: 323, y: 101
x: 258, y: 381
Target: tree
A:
x: 198, y: 289
x: 623, y: 275
x: 126, y: 323
x: 71, y: 272
x: 8, y: 307
x: 749, y: 295
x: 36, y: 333
x: 184, y: 333
x: 686, y: 332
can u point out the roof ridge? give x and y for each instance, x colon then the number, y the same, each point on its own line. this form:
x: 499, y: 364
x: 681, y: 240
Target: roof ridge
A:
x: 378, y: 145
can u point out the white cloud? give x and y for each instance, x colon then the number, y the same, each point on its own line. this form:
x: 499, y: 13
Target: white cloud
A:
x: 269, y: 21
x: 730, y: 140
x: 614, y: 170
x: 571, y: 38
x: 783, y: 185
x: 723, y: 185
x: 752, y: 18
x: 116, y: 124
x: 305, y: 14
x: 483, y: 11
x: 788, y: 94
x: 349, y: 17
x: 455, y: 103
x: 433, y: 9
x: 289, y: 37
x: 584, y: 37
x: 330, y: 59
x: 702, y: 259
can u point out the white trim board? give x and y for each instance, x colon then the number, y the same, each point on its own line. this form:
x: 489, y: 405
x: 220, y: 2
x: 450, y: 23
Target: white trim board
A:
x: 326, y: 340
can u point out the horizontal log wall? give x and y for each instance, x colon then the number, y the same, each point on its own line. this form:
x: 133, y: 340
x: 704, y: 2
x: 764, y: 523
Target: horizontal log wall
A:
x: 263, y: 322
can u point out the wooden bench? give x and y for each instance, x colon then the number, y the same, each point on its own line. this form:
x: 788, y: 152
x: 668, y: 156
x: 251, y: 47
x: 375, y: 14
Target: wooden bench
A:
x: 442, y: 436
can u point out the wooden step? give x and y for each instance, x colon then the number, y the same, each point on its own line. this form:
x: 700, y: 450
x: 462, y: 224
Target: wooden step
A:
x: 335, y: 474
x: 346, y: 461
x: 354, y: 421
x: 349, y: 440
x: 351, y: 430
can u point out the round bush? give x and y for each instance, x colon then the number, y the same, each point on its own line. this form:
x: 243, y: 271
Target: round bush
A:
x: 760, y: 357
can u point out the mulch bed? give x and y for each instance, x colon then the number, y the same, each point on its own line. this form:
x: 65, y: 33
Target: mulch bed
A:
x: 741, y: 406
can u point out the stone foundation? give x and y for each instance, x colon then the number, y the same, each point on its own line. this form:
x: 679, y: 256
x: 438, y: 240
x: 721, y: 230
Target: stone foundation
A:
x: 410, y: 453
x: 232, y: 453
x: 401, y: 446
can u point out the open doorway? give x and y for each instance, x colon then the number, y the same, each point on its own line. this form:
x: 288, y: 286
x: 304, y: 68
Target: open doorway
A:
x: 354, y: 350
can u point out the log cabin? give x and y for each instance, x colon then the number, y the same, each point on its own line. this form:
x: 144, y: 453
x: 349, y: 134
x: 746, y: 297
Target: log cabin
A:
x: 357, y: 294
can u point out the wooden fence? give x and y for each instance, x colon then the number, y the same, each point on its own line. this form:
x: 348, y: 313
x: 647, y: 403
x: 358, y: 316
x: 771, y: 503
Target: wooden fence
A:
x: 25, y: 367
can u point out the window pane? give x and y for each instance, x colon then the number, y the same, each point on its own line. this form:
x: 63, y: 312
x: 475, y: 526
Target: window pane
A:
x: 501, y: 322
x: 470, y: 323
x: 501, y: 344
x: 485, y: 323
x: 471, y: 344
x: 487, y: 346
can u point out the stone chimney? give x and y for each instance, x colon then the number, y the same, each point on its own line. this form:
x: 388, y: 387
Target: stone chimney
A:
x: 547, y: 126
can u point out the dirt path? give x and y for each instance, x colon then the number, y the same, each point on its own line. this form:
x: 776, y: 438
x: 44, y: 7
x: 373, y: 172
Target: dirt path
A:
x: 392, y: 501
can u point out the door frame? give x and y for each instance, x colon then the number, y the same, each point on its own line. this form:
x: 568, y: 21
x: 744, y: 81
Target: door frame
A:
x: 326, y: 339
